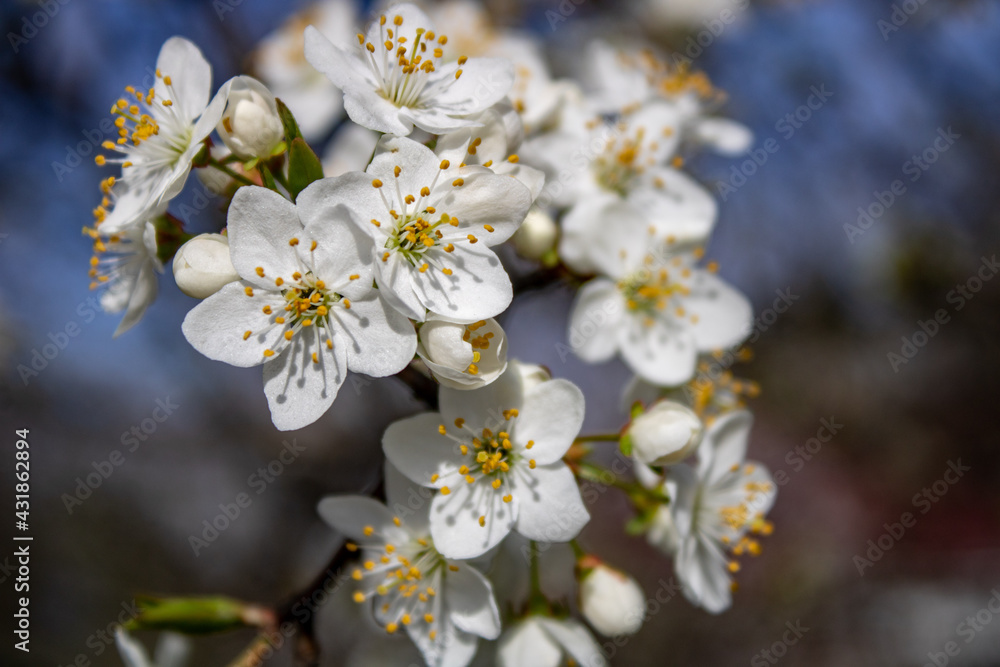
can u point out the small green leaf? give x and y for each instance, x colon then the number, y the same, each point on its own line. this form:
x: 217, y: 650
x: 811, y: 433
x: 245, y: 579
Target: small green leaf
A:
x: 189, y: 615
x: 266, y: 177
x: 288, y: 122
x: 625, y: 444
x: 303, y: 167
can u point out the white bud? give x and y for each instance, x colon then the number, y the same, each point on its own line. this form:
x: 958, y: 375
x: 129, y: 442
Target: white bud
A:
x: 202, y: 266
x: 250, y: 125
x: 665, y: 434
x: 463, y: 356
x: 612, y: 601
x: 214, y: 180
x: 536, y: 235
x: 531, y: 374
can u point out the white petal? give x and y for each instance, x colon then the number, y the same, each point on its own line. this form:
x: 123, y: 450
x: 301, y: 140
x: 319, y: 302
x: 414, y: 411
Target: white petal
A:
x: 395, y: 281
x: 409, y: 501
x: 455, y: 519
x: 575, y: 640
x: 726, y: 136
x: 662, y: 352
x: 260, y: 225
x: 483, y: 83
x: 172, y: 650
x: 725, y: 316
x: 528, y: 645
x: 353, y: 516
x: 583, y: 227
x: 190, y: 74
x: 596, y: 320
x: 483, y: 408
x: 380, y: 340
x: 470, y: 601
x: 417, y: 448
x: 298, y: 390
x: 725, y: 444
x: 701, y: 567
x: 486, y: 198
x: 551, y: 416
x: 132, y: 652
x: 451, y: 647
x: 141, y: 295
x: 478, y: 288
x: 216, y: 327
x: 550, y: 508
x: 418, y: 166
x: 675, y: 204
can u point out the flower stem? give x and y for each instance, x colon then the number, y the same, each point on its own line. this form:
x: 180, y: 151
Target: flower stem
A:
x: 578, y: 550
x: 537, y: 603
x: 239, y: 178
x: 600, y: 437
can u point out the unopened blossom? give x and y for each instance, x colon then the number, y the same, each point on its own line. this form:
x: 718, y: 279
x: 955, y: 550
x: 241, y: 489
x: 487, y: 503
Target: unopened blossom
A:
x: 432, y: 224
x: 250, y: 124
x: 159, y: 132
x: 304, y: 307
x: 495, y: 456
x: 172, y: 650
x: 657, y: 309
x: 280, y: 62
x: 619, y: 171
x: 460, y: 355
x: 444, y: 605
x: 395, y: 77
x: 665, y: 434
x: 124, y: 265
x: 626, y: 77
x: 543, y: 641
x: 716, y: 512
x: 537, y: 235
x: 202, y: 265
x: 611, y: 601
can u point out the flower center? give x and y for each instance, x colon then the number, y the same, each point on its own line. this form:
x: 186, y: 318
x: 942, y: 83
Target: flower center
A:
x: 489, y: 456
x: 405, y: 67
x: 405, y: 578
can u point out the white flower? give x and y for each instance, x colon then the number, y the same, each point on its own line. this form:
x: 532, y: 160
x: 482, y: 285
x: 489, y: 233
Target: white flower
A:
x: 305, y: 304
x: 537, y: 235
x: 612, y: 601
x: 624, y: 78
x: 250, y: 125
x: 396, y: 77
x: 171, y: 651
x: 160, y: 131
x: 444, y: 605
x: 492, y: 145
x: 657, y: 310
x: 611, y: 173
x: 202, y: 266
x: 541, y: 641
x: 432, y: 223
x: 495, y: 455
x: 665, y: 434
x: 280, y: 63
x: 717, y: 507
x: 125, y: 265
x: 463, y: 356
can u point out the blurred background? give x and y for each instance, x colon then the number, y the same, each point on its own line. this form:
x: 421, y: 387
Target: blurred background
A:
x: 856, y: 293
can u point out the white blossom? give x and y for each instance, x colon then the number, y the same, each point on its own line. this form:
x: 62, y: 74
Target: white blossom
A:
x: 304, y: 307
x: 665, y: 434
x: 612, y: 601
x: 396, y: 76
x: 432, y: 224
x: 537, y: 235
x: 495, y: 456
x: 542, y: 641
x: 250, y: 124
x: 444, y: 605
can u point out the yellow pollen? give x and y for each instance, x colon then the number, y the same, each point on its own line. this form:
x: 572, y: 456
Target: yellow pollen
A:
x: 293, y: 242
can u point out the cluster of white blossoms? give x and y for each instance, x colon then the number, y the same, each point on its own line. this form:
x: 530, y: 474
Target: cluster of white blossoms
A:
x: 393, y: 256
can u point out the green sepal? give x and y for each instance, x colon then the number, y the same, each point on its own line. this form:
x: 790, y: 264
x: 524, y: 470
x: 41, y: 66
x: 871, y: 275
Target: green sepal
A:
x: 303, y: 167
x: 288, y: 122
x: 625, y: 444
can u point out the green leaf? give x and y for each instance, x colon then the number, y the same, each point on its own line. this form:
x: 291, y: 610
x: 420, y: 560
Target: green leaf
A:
x: 625, y: 444
x: 303, y: 167
x: 288, y: 122
x: 266, y: 177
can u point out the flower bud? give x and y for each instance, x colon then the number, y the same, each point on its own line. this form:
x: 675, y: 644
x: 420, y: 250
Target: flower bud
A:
x: 612, y: 601
x: 536, y: 236
x: 463, y: 356
x: 531, y: 374
x: 250, y: 125
x: 202, y: 266
x: 665, y: 434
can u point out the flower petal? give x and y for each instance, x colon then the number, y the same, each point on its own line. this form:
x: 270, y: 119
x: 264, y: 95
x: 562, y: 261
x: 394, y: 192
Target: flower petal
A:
x: 661, y: 351
x: 725, y: 445
x: 576, y: 640
x: 217, y: 326
x: 361, y: 519
x: 417, y: 448
x: 381, y: 340
x: 725, y: 316
x: 551, y: 416
x: 484, y: 199
x: 260, y: 225
x: 455, y: 519
x: 478, y: 288
x: 527, y: 644
x: 483, y: 408
x: 299, y: 391
x: 470, y: 601
x: 550, y: 508
x: 190, y: 77
x: 596, y: 320
x: 409, y: 501
x: 483, y: 83
x: 701, y: 567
